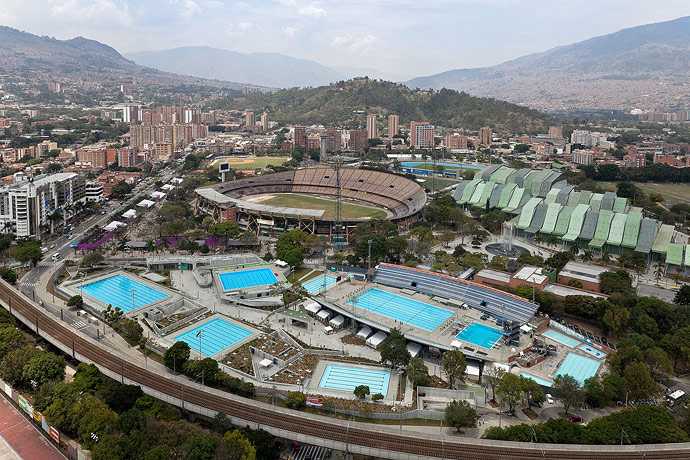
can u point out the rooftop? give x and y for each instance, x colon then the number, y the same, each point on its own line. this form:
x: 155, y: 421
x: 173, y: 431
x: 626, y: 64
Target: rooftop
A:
x: 561, y: 290
x: 578, y: 270
x: 494, y: 275
x: 530, y: 274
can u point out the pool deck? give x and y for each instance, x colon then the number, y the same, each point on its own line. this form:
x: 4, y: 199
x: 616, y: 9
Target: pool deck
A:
x: 249, y: 290
x: 312, y: 383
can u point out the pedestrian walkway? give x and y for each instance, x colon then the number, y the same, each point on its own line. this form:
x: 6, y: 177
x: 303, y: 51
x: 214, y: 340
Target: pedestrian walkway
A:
x: 26, y: 442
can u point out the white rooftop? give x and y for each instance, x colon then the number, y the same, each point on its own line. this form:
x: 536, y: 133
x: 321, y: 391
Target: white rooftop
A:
x: 562, y: 291
x: 495, y: 275
x: 530, y: 274
x: 578, y: 270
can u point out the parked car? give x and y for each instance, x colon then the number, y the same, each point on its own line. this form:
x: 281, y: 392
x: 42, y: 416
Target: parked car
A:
x: 604, y: 341
x: 549, y: 398
x: 575, y: 419
x: 596, y: 339
x: 570, y: 325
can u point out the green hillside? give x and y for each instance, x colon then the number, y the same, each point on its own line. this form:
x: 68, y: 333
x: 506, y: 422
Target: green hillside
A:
x: 346, y: 104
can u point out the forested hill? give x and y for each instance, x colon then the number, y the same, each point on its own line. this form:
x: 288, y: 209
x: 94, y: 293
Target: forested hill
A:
x: 347, y: 104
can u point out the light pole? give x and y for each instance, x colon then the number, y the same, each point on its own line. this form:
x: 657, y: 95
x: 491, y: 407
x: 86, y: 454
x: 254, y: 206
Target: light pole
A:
x: 200, y: 334
x: 369, y: 258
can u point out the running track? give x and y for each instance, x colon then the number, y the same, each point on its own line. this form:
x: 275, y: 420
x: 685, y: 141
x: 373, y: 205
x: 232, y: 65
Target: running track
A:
x: 29, y: 443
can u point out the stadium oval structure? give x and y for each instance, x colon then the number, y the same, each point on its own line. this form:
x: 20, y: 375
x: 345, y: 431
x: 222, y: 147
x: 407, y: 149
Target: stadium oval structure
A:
x: 402, y: 199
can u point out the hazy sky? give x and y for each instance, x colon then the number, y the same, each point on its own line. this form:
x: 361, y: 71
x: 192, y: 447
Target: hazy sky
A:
x: 403, y: 37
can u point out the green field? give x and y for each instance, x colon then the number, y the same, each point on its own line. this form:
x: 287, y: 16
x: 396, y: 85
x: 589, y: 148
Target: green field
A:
x: 674, y: 193
x: 437, y: 183
x: 251, y: 162
x: 350, y: 211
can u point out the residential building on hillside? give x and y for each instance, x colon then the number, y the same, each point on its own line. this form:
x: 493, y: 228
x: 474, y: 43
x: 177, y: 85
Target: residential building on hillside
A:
x: 372, y: 128
x: 485, y: 135
x: 421, y: 135
x: 393, y: 125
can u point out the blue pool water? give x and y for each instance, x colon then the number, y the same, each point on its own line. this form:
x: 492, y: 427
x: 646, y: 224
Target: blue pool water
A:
x: 316, y: 285
x: 592, y: 351
x: 122, y: 292
x: 401, y: 309
x: 247, y: 278
x: 561, y: 338
x: 480, y: 335
x: 216, y: 335
x: 540, y: 381
x: 347, y: 378
x: 410, y: 164
x: 579, y: 367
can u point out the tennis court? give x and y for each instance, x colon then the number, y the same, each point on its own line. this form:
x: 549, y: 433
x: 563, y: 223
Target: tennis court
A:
x: 579, y: 367
x: 561, y: 338
x: 347, y: 378
x: 401, y: 309
x: 216, y: 335
x: 247, y: 278
x: 480, y: 335
x: 122, y: 292
x: 316, y: 285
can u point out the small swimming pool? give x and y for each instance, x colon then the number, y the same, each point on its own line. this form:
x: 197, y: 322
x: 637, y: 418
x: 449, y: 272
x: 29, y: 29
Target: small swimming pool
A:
x: 539, y: 380
x: 122, y: 292
x: 408, y: 311
x: 347, y: 378
x: 592, y: 351
x: 480, y: 335
x: 561, y: 338
x: 578, y: 366
x: 316, y: 285
x: 216, y: 335
x: 247, y: 278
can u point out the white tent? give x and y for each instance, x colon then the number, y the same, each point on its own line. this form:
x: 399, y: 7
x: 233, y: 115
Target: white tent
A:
x: 676, y: 394
x: 525, y: 328
x: 168, y: 187
x: 177, y: 180
x: 324, y: 314
x: 364, y: 332
x: 265, y: 362
x: 338, y: 321
x: 146, y: 203
x: 129, y: 213
x: 472, y: 370
x: 280, y: 263
x: 376, y: 339
x: 456, y: 344
x: 113, y: 225
x: 313, y: 307
x: 414, y: 349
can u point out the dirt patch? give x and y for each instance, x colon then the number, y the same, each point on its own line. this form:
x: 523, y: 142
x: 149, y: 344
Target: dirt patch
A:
x: 352, y: 340
x: 530, y: 413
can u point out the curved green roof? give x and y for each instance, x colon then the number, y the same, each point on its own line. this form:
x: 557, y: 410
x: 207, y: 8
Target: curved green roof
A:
x: 563, y: 221
x: 551, y: 217
x: 528, y: 212
x: 537, y: 218
x: 486, y: 194
x: 617, y: 229
x: 620, y: 204
x: 589, y: 226
x: 515, y: 200
x: 477, y: 193
x: 595, y: 202
x: 505, y: 195
x: 601, y: 234
x: 674, y: 256
x: 574, y: 198
x: 469, y: 190
x: 632, y: 229
x: 576, y: 221
x: 648, y: 231
x: 551, y: 196
x: 585, y: 197
x: 663, y: 239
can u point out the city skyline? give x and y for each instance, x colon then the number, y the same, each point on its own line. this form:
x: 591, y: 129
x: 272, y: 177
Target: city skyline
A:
x: 441, y: 35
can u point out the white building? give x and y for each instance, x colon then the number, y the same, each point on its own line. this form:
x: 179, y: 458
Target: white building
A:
x: 34, y: 205
x: 94, y: 193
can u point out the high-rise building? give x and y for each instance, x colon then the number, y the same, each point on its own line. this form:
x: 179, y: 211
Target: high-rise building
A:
x: 372, y: 128
x: 300, y: 137
x: 393, y: 125
x: 485, y: 135
x: 456, y: 141
x: 421, y: 135
x: 130, y: 114
x: 264, y: 121
x: 583, y: 157
x: 555, y: 132
x: 358, y: 140
x: 249, y: 118
x: 334, y: 140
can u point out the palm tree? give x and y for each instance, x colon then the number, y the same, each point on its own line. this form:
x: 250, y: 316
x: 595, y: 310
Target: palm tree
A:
x: 605, y: 257
x: 150, y: 245
x: 675, y: 277
x: 658, y: 271
x: 552, y: 240
x: 539, y: 239
x: 587, y: 256
x: 575, y: 248
x: 165, y: 244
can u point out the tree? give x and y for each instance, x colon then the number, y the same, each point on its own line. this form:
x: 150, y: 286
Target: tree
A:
x: 618, y: 282
x: 28, y: 252
x: 8, y: 275
x: 295, y: 400
x: 394, y: 350
x: 417, y: 372
x: 567, y: 390
x: 12, y: 365
x: 361, y: 391
x: 509, y: 391
x: 76, y: 301
x: 43, y: 368
x: 121, y: 189
x: 454, y: 365
x: 207, y: 367
x: 683, y: 295
x: 241, y: 446
x: 176, y: 356
x: 532, y: 391
x: 493, y: 374
x: 377, y: 397
x: 595, y: 395
x: 459, y: 414
x: 91, y: 259
x: 638, y: 381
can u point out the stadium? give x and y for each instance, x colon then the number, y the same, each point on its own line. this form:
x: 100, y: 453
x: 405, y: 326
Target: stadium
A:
x: 305, y: 200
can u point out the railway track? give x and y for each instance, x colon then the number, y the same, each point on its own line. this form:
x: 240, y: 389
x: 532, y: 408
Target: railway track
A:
x: 354, y: 436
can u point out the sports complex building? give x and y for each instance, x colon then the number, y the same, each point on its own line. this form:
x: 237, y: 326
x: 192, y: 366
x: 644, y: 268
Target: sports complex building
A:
x: 388, y: 196
x: 544, y: 204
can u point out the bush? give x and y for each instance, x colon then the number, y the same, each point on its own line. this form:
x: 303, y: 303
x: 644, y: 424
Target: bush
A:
x: 76, y: 301
x: 295, y: 400
x: 376, y: 397
x: 8, y: 275
x: 361, y: 391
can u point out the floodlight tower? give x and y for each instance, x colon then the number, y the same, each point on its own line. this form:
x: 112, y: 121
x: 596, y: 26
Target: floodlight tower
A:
x: 338, y: 205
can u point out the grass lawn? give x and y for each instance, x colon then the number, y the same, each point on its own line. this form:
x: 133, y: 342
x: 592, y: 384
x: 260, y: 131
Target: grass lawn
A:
x: 438, y: 184
x: 350, y: 211
x: 298, y: 273
x: 675, y: 193
x: 251, y: 162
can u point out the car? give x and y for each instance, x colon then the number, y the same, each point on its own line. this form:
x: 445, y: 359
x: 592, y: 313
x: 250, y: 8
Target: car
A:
x: 604, y: 341
x: 296, y: 446
x: 575, y: 419
x: 570, y: 325
x: 52, y: 246
x: 576, y: 328
x: 590, y: 335
x: 549, y: 398
x: 596, y: 339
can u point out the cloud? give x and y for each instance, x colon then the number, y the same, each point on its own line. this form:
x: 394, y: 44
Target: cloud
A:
x: 290, y: 31
x: 91, y: 11
x: 354, y: 44
x: 312, y: 11
x: 186, y: 8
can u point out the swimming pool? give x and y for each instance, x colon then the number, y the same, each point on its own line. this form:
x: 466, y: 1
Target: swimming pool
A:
x: 480, y: 335
x: 410, y: 164
x: 578, y: 366
x: 247, y: 278
x: 316, y: 285
x: 122, y: 292
x: 347, y: 378
x: 592, y: 351
x: 539, y: 380
x: 561, y: 338
x: 401, y: 309
x: 216, y: 335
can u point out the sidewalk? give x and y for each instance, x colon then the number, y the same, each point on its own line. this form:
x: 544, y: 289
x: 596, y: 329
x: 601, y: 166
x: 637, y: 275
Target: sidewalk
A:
x: 26, y: 442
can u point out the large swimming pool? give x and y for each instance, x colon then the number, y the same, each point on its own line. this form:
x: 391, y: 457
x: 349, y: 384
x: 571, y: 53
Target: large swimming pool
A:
x: 347, y: 378
x: 561, y: 338
x: 316, y: 285
x: 247, y: 278
x: 122, y: 292
x: 216, y: 335
x: 578, y: 366
x: 407, y: 311
x: 411, y: 164
x: 480, y: 335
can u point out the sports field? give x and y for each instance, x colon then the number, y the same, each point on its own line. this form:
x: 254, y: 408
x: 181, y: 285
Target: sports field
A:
x: 674, y: 193
x: 350, y: 211
x: 251, y: 162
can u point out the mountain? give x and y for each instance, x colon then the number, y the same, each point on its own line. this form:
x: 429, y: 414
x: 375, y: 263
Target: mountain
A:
x: 347, y: 104
x: 265, y: 69
x: 82, y: 62
x: 637, y: 67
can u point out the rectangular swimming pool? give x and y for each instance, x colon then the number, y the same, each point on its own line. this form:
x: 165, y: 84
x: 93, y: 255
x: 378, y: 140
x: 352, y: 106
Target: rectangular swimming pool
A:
x: 247, y: 278
x: 480, y: 335
x: 539, y: 380
x: 216, y: 335
x: 347, y: 378
x: 592, y: 351
x: 579, y: 367
x: 561, y: 338
x: 401, y: 309
x: 316, y: 285
x: 122, y: 292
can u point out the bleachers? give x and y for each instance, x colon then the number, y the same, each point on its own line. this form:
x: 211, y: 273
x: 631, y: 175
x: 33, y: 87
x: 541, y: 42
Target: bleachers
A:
x: 498, y: 303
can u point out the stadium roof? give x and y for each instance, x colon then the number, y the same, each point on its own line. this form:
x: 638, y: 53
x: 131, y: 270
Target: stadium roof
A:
x: 601, y: 234
x: 608, y: 200
x: 478, y: 191
x: 486, y: 194
x: 574, y: 198
x: 576, y: 221
x: 551, y: 217
x: 528, y: 212
x: 648, y: 229
x: 617, y: 229
x: 663, y: 239
x: 538, y: 218
x: 468, y: 190
x: 519, y: 177
x: 589, y: 225
x: 585, y: 197
x: 563, y: 195
x: 632, y: 229
x: 505, y: 195
x: 551, y: 196
x: 563, y: 221
x: 620, y: 204
x: 244, y: 204
x: 496, y: 195
x: 515, y: 200
x: 674, y: 256
x: 595, y: 202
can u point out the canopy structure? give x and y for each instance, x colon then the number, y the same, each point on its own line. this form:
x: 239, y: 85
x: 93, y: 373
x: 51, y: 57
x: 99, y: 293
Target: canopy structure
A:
x: 129, y: 214
x: 601, y: 234
x: 414, y: 349
x: 114, y: 225
x: 576, y: 221
x: 648, y: 231
x: 265, y: 362
x: 617, y: 229
x: 663, y: 239
x: 364, y: 332
x: 528, y: 213
x: 551, y: 218
x: 313, y: 307
x: 146, y: 203
x: 376, y: 339
x: 338, y: 321
x: 324, y: 314
x: 674, y: 255
x: 563, y: 221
